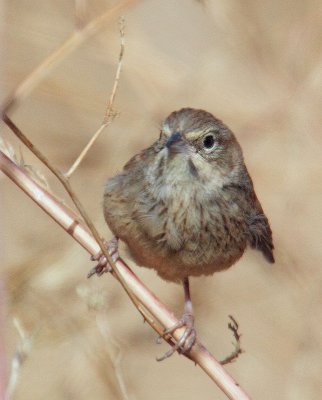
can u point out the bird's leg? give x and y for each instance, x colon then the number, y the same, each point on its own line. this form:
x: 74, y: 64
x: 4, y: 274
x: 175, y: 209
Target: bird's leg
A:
x: 103, y: 265
x: 187, y: 340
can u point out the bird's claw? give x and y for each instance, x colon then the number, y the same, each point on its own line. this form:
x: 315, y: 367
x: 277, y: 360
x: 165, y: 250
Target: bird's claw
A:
x: 186, y: 341
x: 103, y: 266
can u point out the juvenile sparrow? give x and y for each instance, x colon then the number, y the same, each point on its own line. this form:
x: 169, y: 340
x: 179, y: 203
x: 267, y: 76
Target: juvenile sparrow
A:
x: 186, y: 206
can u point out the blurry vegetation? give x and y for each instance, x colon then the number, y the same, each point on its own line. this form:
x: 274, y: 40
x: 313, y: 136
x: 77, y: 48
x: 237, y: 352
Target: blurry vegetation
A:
x: 257, y: 66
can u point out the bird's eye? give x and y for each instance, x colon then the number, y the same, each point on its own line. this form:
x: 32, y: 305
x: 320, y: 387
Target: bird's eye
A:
x: 209, y: 141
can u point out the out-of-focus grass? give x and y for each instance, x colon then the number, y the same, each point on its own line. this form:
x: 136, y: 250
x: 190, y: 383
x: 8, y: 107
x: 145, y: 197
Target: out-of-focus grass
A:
x: 257, y: 66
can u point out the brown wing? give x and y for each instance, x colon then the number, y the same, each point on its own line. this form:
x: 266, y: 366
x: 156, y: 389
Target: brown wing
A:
x: 260, y: 233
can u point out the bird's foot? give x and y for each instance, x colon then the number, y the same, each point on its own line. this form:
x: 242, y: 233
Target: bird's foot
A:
x: 103, y: 266
x: 187, y: 340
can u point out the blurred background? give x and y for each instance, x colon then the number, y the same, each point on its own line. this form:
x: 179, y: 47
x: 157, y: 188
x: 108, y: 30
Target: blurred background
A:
x: 255, y: 65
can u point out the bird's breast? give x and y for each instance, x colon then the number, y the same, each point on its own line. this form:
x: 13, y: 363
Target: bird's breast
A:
x: 190, y: 221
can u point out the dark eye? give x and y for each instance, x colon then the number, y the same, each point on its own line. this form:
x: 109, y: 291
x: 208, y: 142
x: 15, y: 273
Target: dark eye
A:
x: 209, y: 141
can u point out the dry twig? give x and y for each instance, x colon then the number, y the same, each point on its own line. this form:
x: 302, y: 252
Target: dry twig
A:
x: 109, y: 113
x: 67, y: 186
x: 233, y: 326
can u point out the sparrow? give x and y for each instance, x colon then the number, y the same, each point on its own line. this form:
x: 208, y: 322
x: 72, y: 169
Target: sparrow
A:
x: 186, y: 206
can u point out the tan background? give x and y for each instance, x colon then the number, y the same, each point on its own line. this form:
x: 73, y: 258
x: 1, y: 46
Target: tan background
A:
x: 255, y: 65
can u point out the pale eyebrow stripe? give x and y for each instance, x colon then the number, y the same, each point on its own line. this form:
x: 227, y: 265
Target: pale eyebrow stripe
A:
x: 193, y: 135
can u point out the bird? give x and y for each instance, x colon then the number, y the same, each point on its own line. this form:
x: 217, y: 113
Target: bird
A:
x: 186, y: 206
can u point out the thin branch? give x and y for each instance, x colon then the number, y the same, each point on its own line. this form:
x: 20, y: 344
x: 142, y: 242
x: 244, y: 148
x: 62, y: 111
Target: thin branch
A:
x: 159, y: 313
x: 84, y: 151
x: 65, y: 182
x: 70, y: 44
x: 109, y: 113
x: 233, y: 326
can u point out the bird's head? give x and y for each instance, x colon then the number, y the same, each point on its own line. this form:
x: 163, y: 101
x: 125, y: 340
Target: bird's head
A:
x: 194, y: 144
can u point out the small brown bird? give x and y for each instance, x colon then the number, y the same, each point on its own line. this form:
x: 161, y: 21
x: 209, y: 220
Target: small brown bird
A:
x: 186, y: 206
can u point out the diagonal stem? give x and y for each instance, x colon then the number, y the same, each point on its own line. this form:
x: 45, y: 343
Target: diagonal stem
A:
x: 64, y: 181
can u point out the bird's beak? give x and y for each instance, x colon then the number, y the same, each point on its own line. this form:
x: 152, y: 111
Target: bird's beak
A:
x: 173, y: 139
x: 176, y: 143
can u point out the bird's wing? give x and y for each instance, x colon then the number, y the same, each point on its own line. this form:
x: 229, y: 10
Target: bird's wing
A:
x: 260, y: 233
